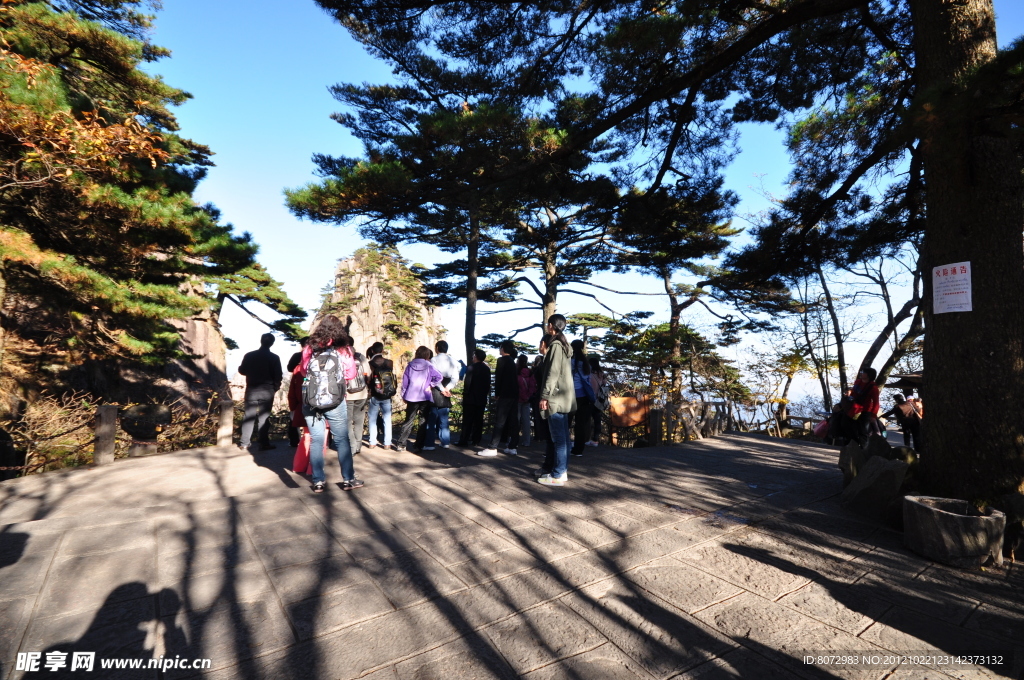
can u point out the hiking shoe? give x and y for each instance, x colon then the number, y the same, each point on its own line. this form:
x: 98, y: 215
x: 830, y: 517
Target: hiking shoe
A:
x: 318, y: 487
x: 551, y: 480
x: 512, y: 452
x: 487, y: 453
x: 350, y: 484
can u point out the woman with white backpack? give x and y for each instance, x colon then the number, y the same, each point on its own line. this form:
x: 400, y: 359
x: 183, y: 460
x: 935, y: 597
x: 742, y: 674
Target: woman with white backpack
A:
x: 330, y: 369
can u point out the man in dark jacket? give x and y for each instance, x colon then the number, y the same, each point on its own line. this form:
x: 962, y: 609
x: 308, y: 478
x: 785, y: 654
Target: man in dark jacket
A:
x: 506, y: 409
x: 475, y: 393
x: 262, y: 371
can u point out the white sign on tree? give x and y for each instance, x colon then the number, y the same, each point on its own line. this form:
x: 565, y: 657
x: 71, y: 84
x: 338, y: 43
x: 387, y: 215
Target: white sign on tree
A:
x: 951, y: 288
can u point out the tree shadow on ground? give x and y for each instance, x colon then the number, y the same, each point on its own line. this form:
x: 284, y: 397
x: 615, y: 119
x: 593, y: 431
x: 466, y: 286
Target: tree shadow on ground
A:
x: 203, y: 608
x: 903, y: 615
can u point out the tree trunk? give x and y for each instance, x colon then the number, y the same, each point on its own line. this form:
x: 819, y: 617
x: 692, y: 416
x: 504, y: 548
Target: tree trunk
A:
x: 783, y: 410
x: 549, y: 302
x: 974, y: 361
x: 472, y: 276
x: 676, y: 359
x: 3, y: 299
x: 909, y: 309
x: 837, y: 331
x: 820, y: 363
x: 915, y: 331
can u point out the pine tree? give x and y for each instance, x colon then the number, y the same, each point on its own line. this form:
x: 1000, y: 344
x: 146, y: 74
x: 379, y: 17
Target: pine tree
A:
x: 100, y: 240
x: 905, y: 79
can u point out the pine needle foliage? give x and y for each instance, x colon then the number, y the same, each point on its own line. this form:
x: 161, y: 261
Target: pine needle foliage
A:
x: 98, y: 226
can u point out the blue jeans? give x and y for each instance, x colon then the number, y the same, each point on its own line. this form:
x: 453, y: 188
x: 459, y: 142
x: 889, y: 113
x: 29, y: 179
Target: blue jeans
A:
x: 556, y: 460
x: 338, y: 418
x: 382, y: 406
x: 437, y: 424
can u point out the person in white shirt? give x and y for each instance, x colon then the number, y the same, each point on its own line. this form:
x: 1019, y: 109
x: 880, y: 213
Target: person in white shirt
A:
x: 437, y: 419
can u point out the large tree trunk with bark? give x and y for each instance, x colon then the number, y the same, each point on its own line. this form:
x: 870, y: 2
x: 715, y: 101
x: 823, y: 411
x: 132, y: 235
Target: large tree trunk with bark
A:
x: 676, y: 358
x: 837, y: 331
x: 472, y: 284
x: 3, y: 299
x: 974, y: 361
x: 549, y: 302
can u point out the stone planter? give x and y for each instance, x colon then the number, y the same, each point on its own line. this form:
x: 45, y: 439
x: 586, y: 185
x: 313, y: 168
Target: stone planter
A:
x: 943, y: 529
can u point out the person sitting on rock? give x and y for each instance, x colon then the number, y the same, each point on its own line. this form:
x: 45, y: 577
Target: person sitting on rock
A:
x: 862, y: 411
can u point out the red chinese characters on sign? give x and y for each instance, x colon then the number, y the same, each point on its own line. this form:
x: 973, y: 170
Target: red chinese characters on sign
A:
x: 951, y: 288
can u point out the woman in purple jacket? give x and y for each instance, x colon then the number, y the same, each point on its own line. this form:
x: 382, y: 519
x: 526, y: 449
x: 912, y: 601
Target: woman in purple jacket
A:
x: 420, y: 375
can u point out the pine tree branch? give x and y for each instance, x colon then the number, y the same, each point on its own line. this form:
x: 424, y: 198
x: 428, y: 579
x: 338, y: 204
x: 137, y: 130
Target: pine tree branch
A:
x: 247, y: 311
x: 611, y: 290
x: 591, y: 295
x: 536, y: 306
x: 523, y: 330
x: 887, y: 146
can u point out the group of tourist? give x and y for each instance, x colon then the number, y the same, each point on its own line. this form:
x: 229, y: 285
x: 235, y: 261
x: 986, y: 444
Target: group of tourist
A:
x: 856, y: 417
x: 334, y: 388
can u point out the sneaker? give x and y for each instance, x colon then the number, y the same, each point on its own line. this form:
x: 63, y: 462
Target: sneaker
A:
x: 577, y: 455
x: 512, y: 452
x: 591, y: 443
x: 427, y: 448
x: 551, y: 480
x: 540, y: 472
x: 487, y: 453
x: 318, y: 487
x: 445, y: 446
x: 350, y: 484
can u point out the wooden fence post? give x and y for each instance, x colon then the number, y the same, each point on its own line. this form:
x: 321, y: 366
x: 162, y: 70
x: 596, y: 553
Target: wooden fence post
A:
x: 106, y: 430
x: 226, y: 423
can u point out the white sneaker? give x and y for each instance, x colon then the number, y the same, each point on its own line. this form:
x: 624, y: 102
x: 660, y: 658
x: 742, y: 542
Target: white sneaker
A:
x: 551, y: 480
x: 444, y: 446
x: 512, y: 452
x: 487, y: 453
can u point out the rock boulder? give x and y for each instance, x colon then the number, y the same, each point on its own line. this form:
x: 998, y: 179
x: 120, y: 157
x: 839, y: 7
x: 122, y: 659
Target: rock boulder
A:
x: 876, y: 485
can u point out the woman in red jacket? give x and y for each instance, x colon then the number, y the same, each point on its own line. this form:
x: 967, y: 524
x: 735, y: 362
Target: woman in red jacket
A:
x: 863, y: 408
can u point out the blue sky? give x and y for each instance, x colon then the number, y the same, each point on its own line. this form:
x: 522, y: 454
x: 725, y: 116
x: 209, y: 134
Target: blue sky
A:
x: 259, y: 73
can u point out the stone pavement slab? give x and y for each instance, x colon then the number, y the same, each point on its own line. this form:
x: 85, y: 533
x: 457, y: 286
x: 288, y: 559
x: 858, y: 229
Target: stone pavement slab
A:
x: 725, y: 558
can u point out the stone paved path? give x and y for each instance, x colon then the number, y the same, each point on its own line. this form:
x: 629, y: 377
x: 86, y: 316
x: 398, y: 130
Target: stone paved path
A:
x: 727, y: 558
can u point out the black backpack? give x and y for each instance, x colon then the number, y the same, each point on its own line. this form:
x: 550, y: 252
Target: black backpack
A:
x: 321, y: 391
x: 384, y: 384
